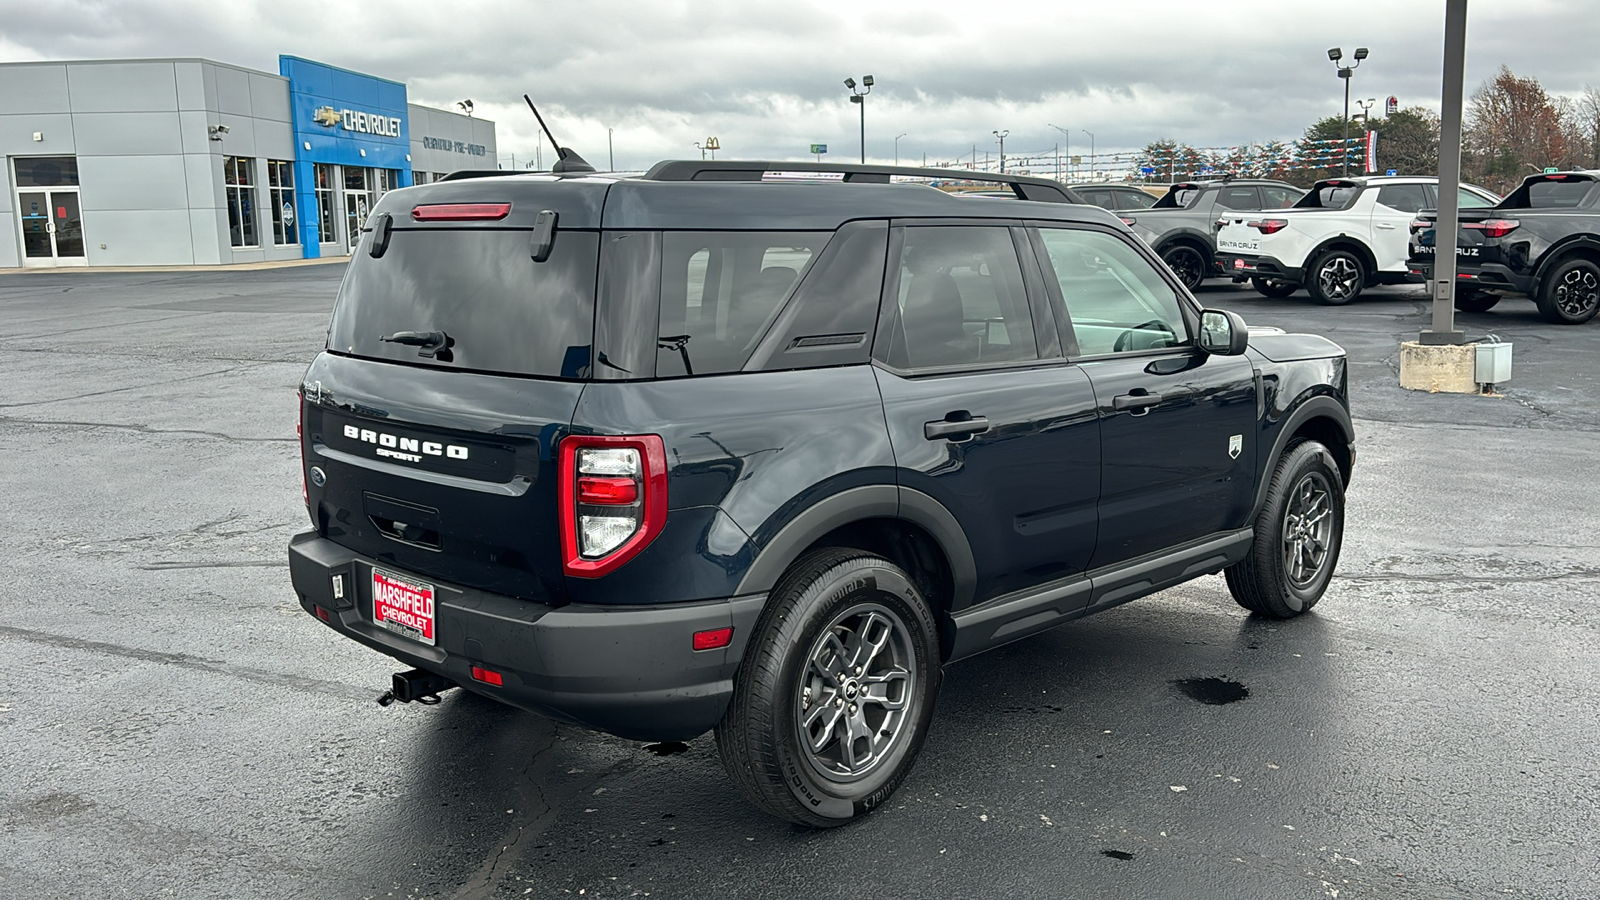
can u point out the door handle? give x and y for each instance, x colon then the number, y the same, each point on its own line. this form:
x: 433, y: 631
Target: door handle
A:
x: 1386, y: 226
x: 1138, y: 404
x: 955, y: 429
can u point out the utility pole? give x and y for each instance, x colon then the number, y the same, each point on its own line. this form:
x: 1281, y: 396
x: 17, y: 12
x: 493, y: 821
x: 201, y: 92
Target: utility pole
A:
x: 1091, y: 152
x: 1002, y: 136
x: 1445, y: 225
x: 611, y: 154
x: 1068, y: 134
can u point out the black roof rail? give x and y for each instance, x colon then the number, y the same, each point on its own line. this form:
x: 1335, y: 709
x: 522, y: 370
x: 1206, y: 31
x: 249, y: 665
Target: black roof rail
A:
x: 1026, y: 187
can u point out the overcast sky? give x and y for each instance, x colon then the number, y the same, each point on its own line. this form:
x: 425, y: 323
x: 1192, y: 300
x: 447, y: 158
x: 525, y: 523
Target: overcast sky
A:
x: 766, y: 78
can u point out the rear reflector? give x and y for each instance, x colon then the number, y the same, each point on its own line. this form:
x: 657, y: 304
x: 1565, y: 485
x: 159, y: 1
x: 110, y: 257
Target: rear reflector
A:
x: 322, y: 613
x: 460, y: 212
x: 487, y: 676
x: 715, y: 639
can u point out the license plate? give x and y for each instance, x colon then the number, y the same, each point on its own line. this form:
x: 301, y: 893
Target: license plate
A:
x: 402, y: 606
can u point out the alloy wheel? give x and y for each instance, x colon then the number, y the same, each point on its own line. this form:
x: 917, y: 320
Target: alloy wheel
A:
x: 1307, y: 529
x: 1339, y: 278
x: 856, y: 692
x: 1578, y: 291
x: 1186, y: 263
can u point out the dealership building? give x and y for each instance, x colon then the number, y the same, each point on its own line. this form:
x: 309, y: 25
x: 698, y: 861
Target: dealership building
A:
x: 192, y: 162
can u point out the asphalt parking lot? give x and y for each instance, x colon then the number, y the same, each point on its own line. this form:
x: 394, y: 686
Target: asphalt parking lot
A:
x: 173, y: 725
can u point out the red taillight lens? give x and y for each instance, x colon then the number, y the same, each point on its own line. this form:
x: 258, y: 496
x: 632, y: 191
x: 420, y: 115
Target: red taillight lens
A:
x: 613, y: 500
x: 1127, y: 220
x: 1269, y: 226
x: 715, y: 639
x: 487, y: 676
x: 607, y: 491
x: 1493, y: 227
x: 460, y: 212
x: 1420, y: 225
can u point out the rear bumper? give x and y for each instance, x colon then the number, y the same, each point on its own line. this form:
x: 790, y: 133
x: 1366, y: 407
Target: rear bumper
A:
x: 629, y: 671
x: 1485, y: 276
x: 1242, y: 266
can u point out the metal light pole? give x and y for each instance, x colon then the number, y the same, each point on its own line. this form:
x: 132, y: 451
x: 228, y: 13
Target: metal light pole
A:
x: 1444, y: 227
x: 1068, y: 142
x: 702, y: 148
x: 1335, y: 54
x: 1091, y: 151
x: 859, y: 98
x: 611, y: 154
x: 897, y: 146
x: 1002, y: 136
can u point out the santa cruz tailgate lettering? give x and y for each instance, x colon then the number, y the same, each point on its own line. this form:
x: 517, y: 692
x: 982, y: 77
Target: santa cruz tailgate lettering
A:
x: 403, y: 448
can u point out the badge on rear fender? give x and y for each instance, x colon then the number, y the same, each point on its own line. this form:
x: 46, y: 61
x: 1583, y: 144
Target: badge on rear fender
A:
x: 1235, y: 445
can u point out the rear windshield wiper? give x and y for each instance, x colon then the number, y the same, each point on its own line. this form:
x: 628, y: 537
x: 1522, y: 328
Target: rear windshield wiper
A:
x: 434, y: 344
x: 678, y: 343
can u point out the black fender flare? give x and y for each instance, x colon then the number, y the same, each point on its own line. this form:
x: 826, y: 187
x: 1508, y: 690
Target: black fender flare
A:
x: 1558, y: 254
x: 1368, y: 258
x: 1320, y: 406
x: 1187, y: 235
x: 873, y: 501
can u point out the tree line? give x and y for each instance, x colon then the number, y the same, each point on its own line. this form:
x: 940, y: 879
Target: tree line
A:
x: 1512, y: 128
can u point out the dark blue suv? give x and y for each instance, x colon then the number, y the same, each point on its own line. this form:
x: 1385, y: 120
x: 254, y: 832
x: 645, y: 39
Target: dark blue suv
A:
x: 760, y: 448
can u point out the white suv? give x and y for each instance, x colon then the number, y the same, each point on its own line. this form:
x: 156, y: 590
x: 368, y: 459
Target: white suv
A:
x: 1344, y: 235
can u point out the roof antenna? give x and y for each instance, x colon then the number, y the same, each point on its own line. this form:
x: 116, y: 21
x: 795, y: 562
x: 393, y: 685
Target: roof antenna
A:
x: 567, y: 159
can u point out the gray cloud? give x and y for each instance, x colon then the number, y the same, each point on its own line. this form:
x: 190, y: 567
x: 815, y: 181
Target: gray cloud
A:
x: 766, y: 77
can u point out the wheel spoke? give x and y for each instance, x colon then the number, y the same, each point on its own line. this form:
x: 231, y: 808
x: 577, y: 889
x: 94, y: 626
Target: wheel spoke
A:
x: 870, y: 647
x: 855, y: 730
x: 829, y: 715
x: 880, y: 687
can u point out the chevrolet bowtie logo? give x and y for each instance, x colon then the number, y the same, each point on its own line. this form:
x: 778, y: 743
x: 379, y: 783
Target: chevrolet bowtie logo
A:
x: 326, y: 116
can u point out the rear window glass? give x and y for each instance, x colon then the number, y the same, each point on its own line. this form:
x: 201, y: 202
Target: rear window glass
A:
x: 1556, y: 194
x: 720, y: 291
x: 1242, y: 197
x: 1405, y: 197
x: 500, y: 310
x: 1327, y: 196
x: 1135, y: 200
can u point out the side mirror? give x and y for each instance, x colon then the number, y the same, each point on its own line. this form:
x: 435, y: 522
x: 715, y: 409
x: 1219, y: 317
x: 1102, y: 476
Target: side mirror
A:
x: 1222, y: 332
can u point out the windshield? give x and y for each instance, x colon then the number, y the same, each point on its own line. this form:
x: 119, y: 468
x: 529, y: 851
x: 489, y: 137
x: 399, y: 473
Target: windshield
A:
x: 479, y: 288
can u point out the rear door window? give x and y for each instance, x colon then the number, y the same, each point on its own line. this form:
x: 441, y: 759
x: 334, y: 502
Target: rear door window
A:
x: 1134, y: 200
x: 1274, y: 197
x: 1466, y: 199
x: 1408, y: 198
x: 719, y: 293
x: 498, y: 309
x: 962, y: 299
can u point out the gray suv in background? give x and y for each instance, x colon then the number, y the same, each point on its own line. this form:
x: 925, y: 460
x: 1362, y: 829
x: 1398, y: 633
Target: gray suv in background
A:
x: 1179, y: 227
x: 1115, y: 196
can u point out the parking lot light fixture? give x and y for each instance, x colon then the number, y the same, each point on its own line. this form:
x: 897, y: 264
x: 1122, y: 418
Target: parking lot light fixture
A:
x: 859, y: 99
x: 1002, y: 136
x: 1067, y: 134
x: 1091, y: 152
x: 897, y: 146
x: 1334, y: 55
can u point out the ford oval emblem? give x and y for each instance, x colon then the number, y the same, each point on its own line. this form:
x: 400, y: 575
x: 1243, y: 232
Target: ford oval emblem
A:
x: 318, y: 477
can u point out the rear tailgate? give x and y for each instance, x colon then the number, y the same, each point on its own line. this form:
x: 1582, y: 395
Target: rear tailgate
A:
x: 1483, y: 231
x: 437, y: 457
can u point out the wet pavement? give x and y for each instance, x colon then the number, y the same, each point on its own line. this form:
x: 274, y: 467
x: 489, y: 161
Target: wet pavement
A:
x: 173, y: 725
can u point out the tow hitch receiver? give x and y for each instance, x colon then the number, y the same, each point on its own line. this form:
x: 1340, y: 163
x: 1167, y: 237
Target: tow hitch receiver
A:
x: 423, y: 687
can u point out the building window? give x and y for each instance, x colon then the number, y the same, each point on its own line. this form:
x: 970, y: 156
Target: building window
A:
x: 419, y: 177
x: 325, y: 183
x: 280, y: 183
x: 238, y: 175
x: 388, y: 180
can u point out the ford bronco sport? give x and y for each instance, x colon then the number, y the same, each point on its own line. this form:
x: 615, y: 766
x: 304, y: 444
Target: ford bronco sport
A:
x: 719, y: 447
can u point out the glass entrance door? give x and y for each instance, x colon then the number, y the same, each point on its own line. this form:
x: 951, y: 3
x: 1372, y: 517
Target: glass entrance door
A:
x: 52, y: 228
x: 357, y: 201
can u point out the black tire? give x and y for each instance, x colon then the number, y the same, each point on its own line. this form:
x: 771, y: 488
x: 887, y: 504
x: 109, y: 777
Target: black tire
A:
x: 1264, y: 582
x: 1473, y: 300
x: 1277, y: 290
x: 1336, y: 277
x: 768, y: 737
x: 1570, y: 294
x: 1187, y: 262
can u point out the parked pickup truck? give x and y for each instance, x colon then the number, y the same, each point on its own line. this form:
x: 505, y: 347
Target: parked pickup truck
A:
x: 1344, y: 235
x: 1541, y: 241
x: 1179, y: 226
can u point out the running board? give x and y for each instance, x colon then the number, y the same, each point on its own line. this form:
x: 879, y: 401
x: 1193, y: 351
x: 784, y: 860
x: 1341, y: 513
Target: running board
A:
x: 1015, y: 616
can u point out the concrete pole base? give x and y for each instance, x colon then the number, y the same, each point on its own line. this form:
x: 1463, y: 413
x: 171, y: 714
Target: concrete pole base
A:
x: 1442, y: 368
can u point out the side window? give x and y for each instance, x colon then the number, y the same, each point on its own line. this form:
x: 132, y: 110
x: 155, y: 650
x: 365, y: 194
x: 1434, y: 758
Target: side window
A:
x: 1101, y: 199
x: 1273, y: 197
x: 1466, y: 199
x: 1404, y: 197
x: 961, y: 299
x: 1135, y: 200
x: 720, y: 291
x: 1116, y: 300
x: 831, y: 318
x: 1240, y: 197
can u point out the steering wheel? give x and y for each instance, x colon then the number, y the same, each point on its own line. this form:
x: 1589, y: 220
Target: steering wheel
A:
x: 1125, y: 340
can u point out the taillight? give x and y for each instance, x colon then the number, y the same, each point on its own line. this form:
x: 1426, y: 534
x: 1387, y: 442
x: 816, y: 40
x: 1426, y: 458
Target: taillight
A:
x: 613, y: 500
x: 1493, y: 227
x: 1127, y: 220
x: 1420, y: 225
x: 460, y: 212
x: 1269, y: 226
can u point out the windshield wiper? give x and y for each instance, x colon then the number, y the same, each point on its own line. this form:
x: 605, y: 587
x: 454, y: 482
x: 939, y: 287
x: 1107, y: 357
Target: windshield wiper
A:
x: 434, y: 344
